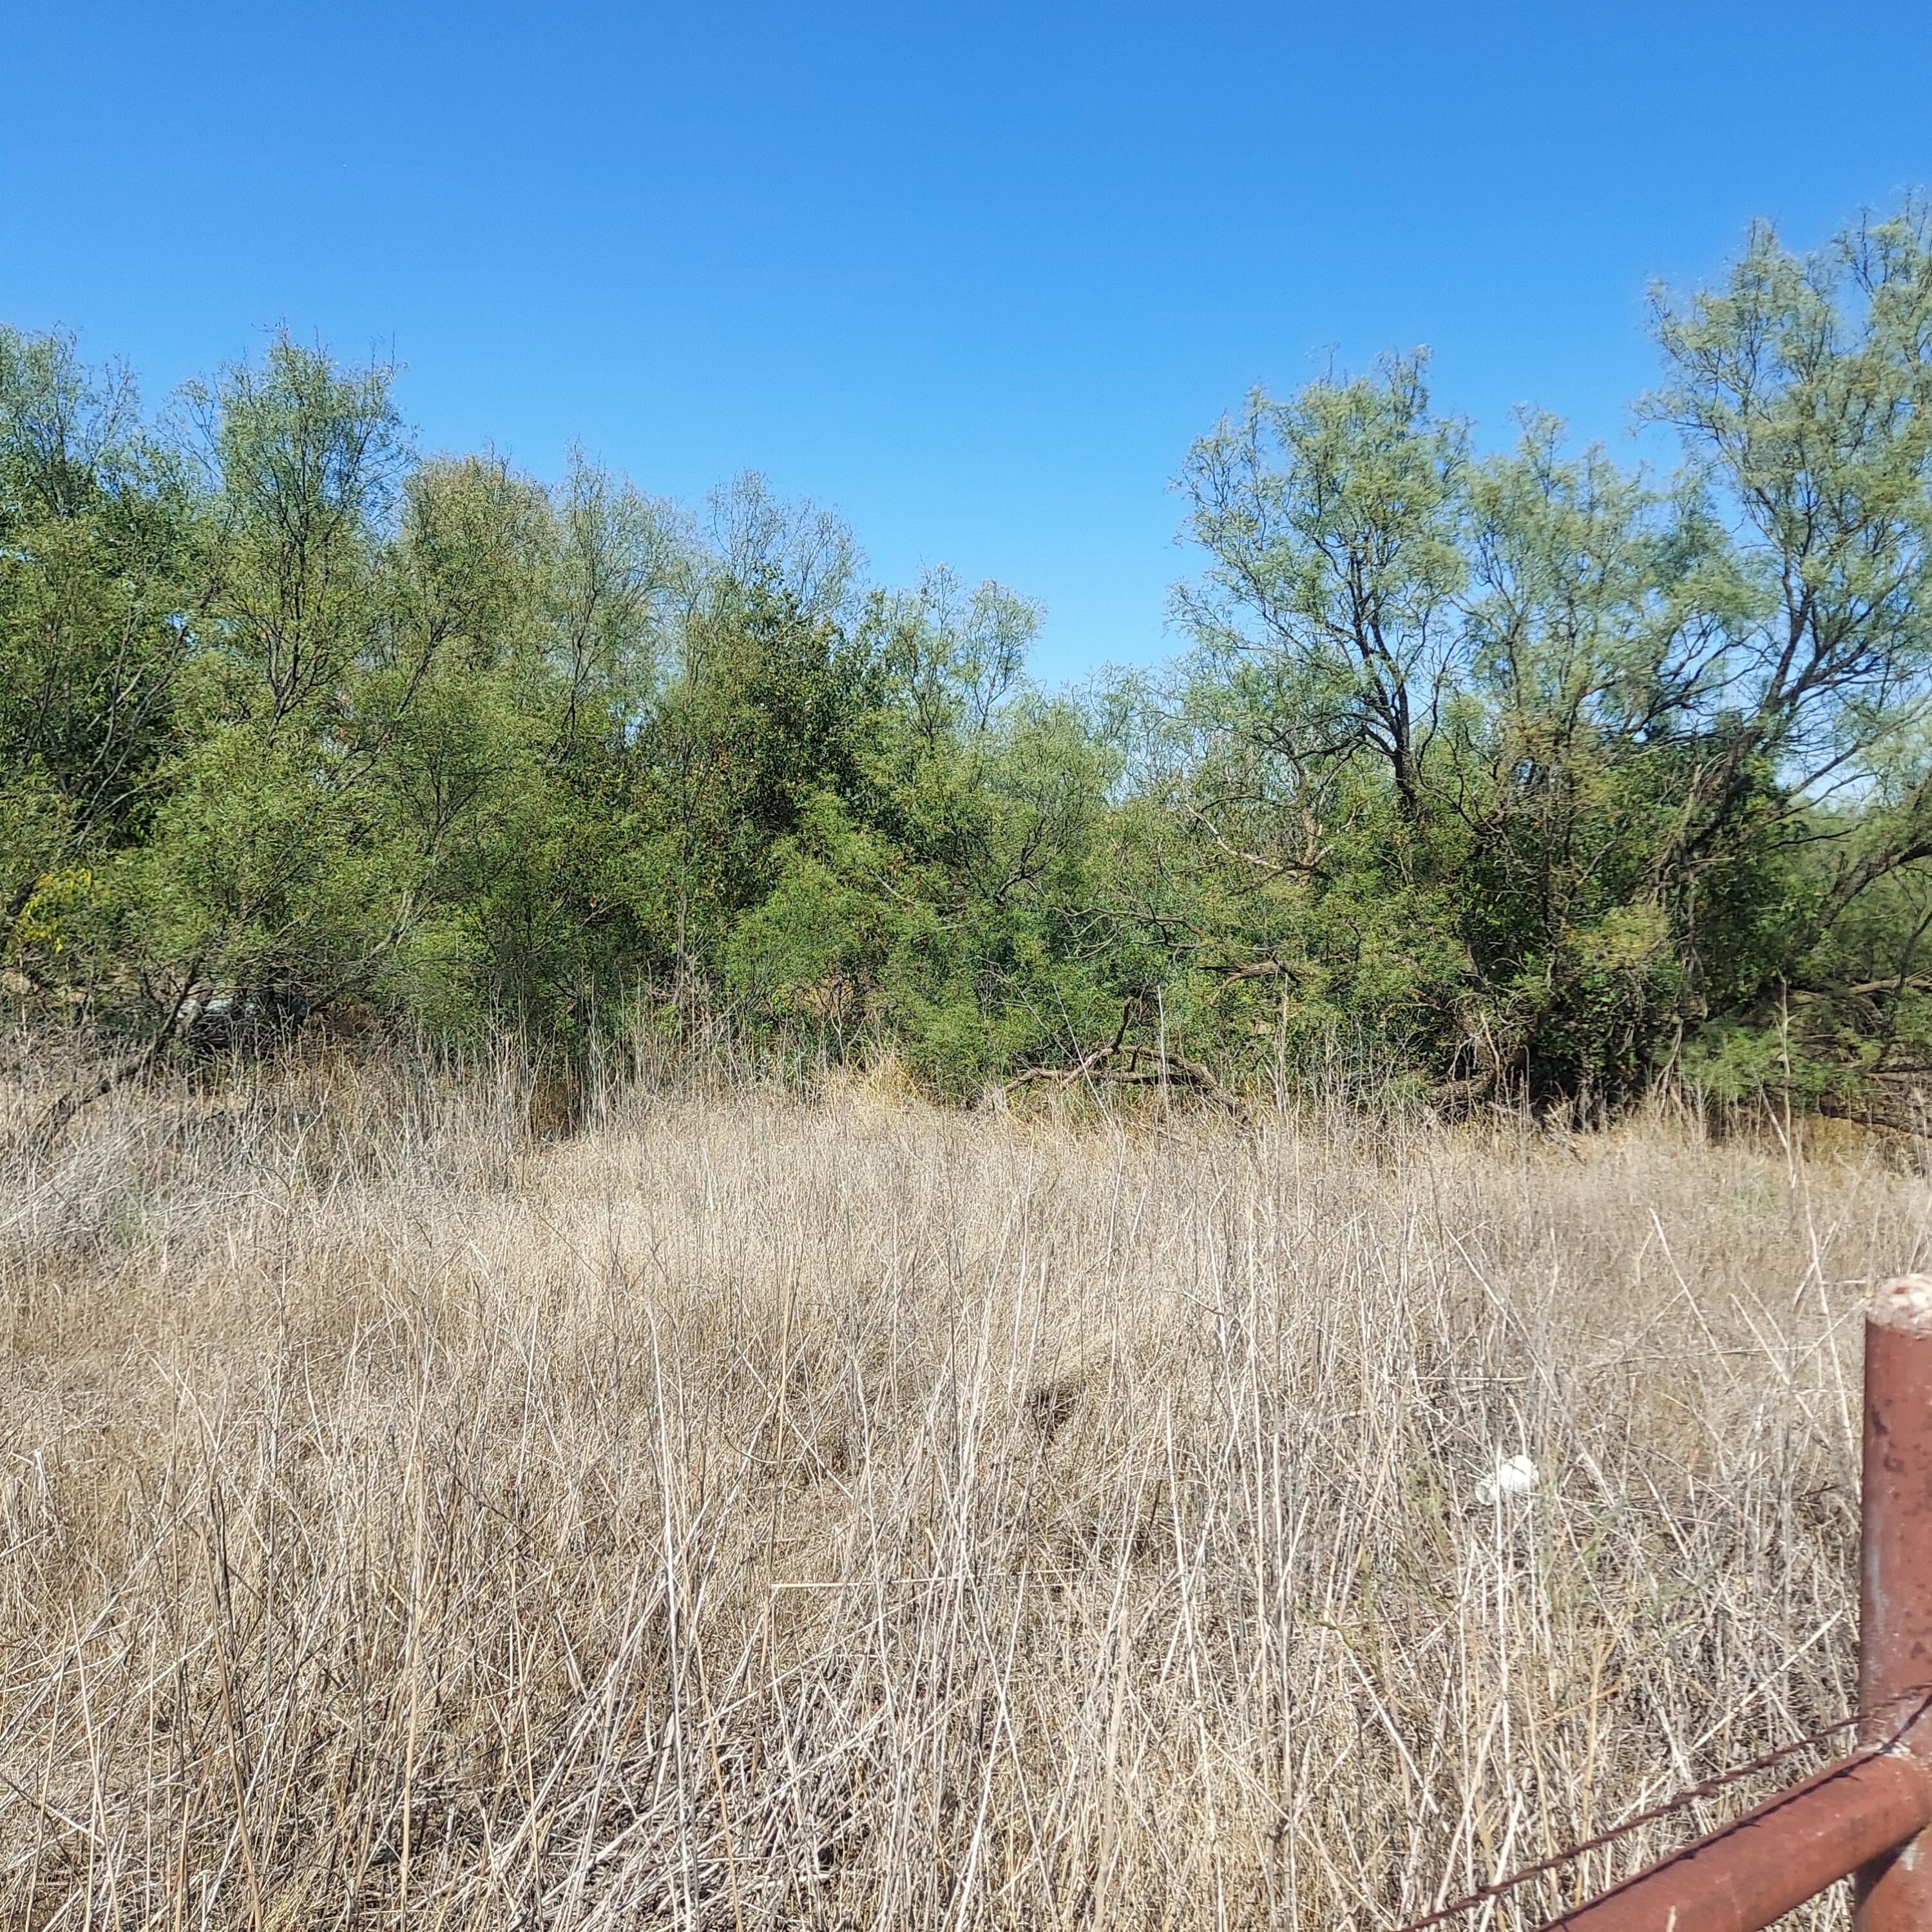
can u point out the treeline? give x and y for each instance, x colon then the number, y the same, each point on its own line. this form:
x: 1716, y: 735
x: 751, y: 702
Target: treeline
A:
x: 1525, y: 774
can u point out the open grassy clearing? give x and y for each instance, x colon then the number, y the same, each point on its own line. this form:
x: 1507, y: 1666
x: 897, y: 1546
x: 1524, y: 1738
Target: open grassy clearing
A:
x: 748, y: 1512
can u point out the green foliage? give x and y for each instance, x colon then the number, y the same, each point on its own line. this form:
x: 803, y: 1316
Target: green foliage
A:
x: 1516, y: 773
x: 96, y: 560
x: 1613, y: 763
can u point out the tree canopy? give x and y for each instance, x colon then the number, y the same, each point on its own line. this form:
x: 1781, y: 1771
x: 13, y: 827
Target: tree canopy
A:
x: 1482, y: 773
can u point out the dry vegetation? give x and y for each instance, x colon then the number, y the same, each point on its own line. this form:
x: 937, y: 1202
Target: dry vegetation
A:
x: 745, y: 1513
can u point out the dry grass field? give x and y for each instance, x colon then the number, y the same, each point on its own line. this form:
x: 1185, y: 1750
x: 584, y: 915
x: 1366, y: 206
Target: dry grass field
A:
x: 746, y: 1513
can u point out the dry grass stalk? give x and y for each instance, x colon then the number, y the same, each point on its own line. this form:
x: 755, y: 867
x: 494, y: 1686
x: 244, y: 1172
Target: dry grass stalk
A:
x: 749, y: 1513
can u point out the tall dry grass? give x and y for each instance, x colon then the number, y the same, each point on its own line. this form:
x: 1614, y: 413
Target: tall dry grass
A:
x: 748, y: 1513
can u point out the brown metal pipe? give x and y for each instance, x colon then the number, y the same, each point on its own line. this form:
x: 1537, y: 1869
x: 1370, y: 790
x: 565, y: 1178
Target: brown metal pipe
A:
x: 1870, y: 1814
x: 1895, y: 1891
x: 1750, y: 1874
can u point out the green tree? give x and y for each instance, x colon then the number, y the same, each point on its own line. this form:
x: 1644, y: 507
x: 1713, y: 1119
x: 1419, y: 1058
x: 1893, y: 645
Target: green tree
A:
x: 1803, y: 389
x: 265, y: 884
x: 98, y: 570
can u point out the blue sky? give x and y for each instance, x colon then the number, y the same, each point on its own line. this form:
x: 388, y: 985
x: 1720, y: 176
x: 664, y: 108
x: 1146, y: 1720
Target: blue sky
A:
x: 972, y: 275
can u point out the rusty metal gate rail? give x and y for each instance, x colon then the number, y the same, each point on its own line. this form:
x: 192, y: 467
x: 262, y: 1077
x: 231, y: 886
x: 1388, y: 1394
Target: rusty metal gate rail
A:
x: 1869, y: 1815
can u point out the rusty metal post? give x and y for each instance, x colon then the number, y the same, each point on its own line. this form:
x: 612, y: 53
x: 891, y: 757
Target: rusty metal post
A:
x: 1748, y: 1874
x: 1895, y: 1891
x: 1871, y: 1815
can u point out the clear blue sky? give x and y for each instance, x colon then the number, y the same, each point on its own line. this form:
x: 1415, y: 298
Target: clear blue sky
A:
x: 973, y: 274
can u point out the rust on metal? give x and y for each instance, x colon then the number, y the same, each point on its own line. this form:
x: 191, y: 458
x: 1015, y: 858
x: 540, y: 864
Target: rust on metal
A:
x: 1871, y: 1815
x: 1749, y: 1874
x: 1895, y: 1891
